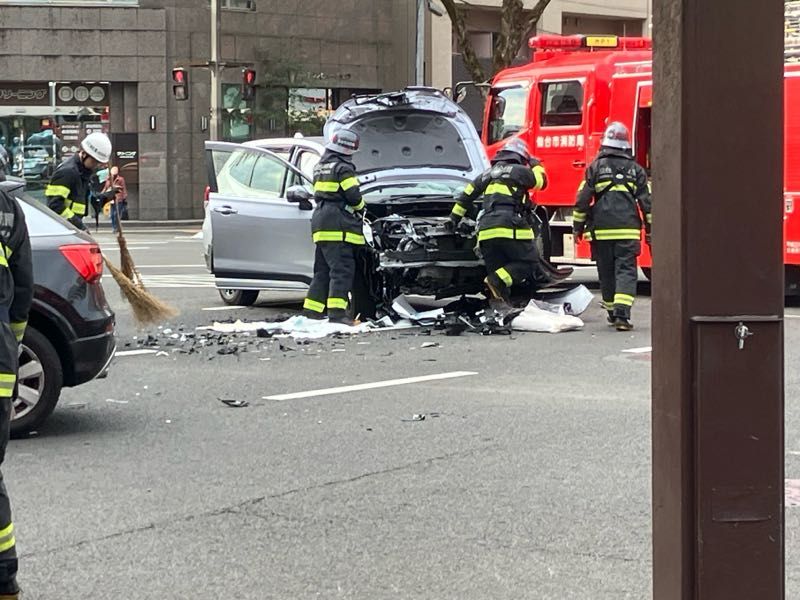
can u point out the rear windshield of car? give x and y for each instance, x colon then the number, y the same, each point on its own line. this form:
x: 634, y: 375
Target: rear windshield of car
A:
x: 41, y: 220
x: 392, y: 140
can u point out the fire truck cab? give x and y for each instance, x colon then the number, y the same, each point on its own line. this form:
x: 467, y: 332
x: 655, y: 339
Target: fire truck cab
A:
x: 560, y: 104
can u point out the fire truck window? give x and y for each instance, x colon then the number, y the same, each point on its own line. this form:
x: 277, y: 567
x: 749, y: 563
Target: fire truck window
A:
x: 562, y: 104
x: 507, y: 112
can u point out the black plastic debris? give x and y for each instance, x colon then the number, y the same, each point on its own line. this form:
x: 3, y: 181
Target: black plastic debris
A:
x: 264, y: 333
x: 234, y: 403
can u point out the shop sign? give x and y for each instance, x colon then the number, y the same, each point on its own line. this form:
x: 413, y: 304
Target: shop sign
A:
x: 82, y: 94
x: 24, y: 93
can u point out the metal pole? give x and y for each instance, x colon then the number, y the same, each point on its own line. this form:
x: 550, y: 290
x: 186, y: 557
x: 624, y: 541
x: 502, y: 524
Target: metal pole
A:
x: 214, y: 123
x: 718, y: 456
x: 420, y: 55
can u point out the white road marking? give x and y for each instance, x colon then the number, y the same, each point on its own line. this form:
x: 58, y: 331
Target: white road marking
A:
x: 370, y: 386
x: 134, y: 353
x: 115, y: 249
x: 792, y: 316
x: 174, y: 280
x: 195, y: 266
x: 215, y: 308
x: 131, y: 242
x: 643, y: 350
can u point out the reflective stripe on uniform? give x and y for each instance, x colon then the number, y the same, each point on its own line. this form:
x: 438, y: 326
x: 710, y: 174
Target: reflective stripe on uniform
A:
x: 499, y: 188
x: 338, y: 236
x: 326, y: 186
x: 623, y: 299
x: 540, y: 175
x: 360, y: 205
x: 340, y: 303
x: 607, y: 305
x: 19, y: 329
x: 588, y: 236
x: 617, y: 234
x: 57, y: 190
x: 603, y: 187
x: 582, y: 185
x: 66, y: 214
x: 458, y: 210
x: 505, y: 232
x: 355, y: 238
x: 469, y: 189
x: 3, y: 260
x: 310, y: 304
x: 79, y: 208
x: 7, y: 382
x: 505, y: 276
x: 348, y: 183
x: 650, y: 218
x: 578, y: 216
x: 7, y: 540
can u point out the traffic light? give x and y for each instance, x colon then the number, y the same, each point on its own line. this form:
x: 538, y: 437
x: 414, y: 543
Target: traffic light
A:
x: 181, y: 86
x: 248, y: 84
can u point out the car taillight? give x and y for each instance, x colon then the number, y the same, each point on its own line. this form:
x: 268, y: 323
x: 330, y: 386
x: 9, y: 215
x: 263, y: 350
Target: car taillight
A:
x: 86, y: 258
x: 205, y: 196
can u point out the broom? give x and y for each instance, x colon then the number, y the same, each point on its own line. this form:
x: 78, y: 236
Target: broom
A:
x: 147, y: 309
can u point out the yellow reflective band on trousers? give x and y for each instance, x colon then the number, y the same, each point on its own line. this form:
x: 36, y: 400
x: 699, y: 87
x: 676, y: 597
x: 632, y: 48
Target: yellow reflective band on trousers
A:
x: 506, y: 233
x: 623, y: 299
x: 7, y: 540
x: 539, y: 174
x: 499, y: 188
x: 57, y: 190
x: 348, y: 183
x: 7, y: 381
x: 310, y: 304
x: 504, y: 276
x: 607, y: 305
x: 603, y: 187
x: 458, y: 210
x: 340, y: 303
x: 79, y: 209
x: 617, y: 234
x: 326, y: 186
x: 339, y: 236
x: 19, y: 329
x: 578, y: 216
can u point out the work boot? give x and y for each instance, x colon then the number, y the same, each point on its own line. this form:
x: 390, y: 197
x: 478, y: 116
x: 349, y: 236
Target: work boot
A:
x: 340, y: 317
x: 611, y: 319
x: 308, y: 314
x: 497, y: 291
x: 623, y: 324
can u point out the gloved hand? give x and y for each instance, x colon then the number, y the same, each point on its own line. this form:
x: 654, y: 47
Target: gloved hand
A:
x: 78, y: 222
x: 465, y: 228
x: 450, y: 225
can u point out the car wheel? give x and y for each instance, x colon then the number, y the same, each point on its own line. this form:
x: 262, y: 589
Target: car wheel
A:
x: 239, y: 297
x: 39, y: 383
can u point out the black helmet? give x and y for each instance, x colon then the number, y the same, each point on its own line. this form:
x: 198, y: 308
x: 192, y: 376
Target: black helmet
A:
x: 516, y: 147
x: 617, y: 136
x: 344, y: 141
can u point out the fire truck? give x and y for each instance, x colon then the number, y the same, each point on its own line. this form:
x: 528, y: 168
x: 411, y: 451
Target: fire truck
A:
x: 560, y: 104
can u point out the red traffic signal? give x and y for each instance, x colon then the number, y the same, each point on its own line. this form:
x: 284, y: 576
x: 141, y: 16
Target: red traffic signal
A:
x: 180, y: 88
x: 248, y: 84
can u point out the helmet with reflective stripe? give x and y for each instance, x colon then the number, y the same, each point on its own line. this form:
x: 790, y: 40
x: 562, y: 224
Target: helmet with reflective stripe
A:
x: 98, y: 146
x: 515, y: 147
x: 617, y: 136
x: 344, y: 141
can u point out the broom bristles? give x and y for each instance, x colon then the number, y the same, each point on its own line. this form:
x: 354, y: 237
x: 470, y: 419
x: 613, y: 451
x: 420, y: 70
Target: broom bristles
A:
x: 126, y: 264
x: 147, y: 309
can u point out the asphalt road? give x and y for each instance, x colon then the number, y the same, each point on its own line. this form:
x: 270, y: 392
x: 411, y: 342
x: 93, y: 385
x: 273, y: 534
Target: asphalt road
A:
x: 528, y: 479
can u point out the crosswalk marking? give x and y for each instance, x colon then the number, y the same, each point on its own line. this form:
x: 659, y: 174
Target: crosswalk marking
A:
x: 172, y: 280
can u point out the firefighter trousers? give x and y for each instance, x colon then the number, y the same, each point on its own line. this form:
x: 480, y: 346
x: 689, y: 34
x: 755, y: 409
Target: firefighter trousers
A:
x: 8, y: 379
x: 616, y: 267
x: 334, y: 271
x: 510, y: 261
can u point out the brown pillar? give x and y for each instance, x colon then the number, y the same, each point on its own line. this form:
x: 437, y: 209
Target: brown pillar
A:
x: 717, y: 409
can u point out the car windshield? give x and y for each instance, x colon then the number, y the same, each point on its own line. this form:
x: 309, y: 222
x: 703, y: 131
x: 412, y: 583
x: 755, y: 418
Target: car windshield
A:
x: 36, y: 153
x: 414, y: 189
x: 406, y: 139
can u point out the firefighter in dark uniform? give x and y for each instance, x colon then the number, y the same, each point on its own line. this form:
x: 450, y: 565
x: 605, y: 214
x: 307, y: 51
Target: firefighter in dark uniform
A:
x: 337, y: 229
x: 505, y: 234
x: 613, y: 200
x: 68, y: 190
x: 16, y: 295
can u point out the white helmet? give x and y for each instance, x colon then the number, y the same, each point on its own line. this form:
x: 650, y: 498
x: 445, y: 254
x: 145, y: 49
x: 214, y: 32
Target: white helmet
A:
x: 98, y: 146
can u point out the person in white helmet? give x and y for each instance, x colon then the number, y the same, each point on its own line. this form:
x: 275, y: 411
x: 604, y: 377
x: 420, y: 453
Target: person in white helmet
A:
x: 68, y: 191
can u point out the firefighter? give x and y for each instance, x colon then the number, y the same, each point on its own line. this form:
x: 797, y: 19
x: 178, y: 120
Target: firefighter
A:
x: 68, y: 190
x: 505, y: 234
x: 16, y: 295
x: 337, y: 229
x: 612, y: 200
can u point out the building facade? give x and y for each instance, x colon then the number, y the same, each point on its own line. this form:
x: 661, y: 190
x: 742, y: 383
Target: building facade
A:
x: 70, y: 67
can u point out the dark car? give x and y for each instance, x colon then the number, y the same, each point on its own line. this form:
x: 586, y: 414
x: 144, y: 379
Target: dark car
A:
x: 70, y: 337
x: 35, y: 163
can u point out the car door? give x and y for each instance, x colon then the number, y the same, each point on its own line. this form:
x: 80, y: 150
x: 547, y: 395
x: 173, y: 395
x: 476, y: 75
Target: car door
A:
x: 257, y: 233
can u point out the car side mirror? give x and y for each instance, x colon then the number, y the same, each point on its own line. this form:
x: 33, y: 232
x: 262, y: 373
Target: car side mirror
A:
x: 301, y: 196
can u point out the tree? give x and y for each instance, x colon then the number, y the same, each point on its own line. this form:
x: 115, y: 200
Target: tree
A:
x: 516, y: 23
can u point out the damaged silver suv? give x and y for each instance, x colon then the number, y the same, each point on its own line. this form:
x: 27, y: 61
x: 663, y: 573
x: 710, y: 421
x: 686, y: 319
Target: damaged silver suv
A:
x: 418, y: 152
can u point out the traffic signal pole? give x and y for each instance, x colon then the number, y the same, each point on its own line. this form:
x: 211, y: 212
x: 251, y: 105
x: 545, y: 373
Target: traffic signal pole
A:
x: 718, y: 454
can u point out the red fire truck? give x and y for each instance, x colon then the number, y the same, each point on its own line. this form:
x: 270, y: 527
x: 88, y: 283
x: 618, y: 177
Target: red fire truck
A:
x: 560, y: 104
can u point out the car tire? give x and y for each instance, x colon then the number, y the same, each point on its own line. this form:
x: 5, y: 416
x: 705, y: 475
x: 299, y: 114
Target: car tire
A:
x: 239, y: 297
x: 39, y: 383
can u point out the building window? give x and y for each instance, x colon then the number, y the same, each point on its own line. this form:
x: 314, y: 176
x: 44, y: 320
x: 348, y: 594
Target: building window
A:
x: 70, y: 2
x: 238, y: 4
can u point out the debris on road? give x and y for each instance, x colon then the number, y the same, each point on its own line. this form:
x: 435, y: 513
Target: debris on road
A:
x: 536, y: 318
x: 420, y: 417
x: 430, y: 345
x: 234, y: 403
x: 112, y: 401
